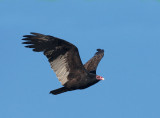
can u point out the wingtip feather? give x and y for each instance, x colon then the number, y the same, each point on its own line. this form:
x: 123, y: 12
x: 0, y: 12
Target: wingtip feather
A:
x: 36, y: 34
x: 100, y: 49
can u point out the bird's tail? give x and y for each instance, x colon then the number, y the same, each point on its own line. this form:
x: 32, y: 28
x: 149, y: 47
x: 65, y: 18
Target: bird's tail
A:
x: 59, y: 91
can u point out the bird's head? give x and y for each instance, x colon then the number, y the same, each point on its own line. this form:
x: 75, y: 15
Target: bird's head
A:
x: 99, y: 77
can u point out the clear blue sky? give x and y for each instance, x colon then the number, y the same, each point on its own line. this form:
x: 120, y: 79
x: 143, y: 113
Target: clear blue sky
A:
x: 128, y: 31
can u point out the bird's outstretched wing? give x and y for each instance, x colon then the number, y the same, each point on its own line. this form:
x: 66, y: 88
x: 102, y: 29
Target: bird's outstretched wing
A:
x: 63, y: 56
x: 92, y: 64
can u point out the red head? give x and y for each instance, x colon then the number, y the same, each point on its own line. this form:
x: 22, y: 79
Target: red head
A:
x: 99, y: 77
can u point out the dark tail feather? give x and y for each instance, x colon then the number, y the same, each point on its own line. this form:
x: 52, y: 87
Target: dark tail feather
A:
x: 59, y: 91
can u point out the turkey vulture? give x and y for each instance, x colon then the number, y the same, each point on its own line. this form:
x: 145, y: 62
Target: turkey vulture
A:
x: 65, y: 61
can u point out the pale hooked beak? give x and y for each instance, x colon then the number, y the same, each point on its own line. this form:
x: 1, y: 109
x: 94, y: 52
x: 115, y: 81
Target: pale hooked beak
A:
x: 102, y: 78
x: 99, y: 77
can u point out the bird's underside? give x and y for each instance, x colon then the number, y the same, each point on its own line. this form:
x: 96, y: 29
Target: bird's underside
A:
x: 65, y: 61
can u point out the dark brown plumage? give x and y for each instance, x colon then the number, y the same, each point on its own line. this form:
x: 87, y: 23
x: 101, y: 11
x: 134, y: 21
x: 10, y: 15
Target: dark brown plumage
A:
x: 65, y: 61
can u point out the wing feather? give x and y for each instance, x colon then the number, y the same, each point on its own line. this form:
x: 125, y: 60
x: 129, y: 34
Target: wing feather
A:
x: 92, y: 64
x: 63, y: 56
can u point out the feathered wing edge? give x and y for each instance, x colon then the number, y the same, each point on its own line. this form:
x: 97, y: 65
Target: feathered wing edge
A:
x: 92, y: 64
x: 40, y: 42
x: 55, y: 49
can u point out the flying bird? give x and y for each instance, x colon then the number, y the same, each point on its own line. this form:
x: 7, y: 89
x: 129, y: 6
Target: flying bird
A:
x: 65, y: 61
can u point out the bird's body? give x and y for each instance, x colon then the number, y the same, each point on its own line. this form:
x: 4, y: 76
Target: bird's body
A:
x: 82, y: 82
x: 65, y: 61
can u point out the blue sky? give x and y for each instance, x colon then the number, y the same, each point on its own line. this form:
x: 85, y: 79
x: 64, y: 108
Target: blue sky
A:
x: 128, y: 31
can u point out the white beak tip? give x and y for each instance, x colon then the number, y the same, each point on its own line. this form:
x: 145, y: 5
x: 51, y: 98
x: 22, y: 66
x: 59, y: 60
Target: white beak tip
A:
x: 102, y: 78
